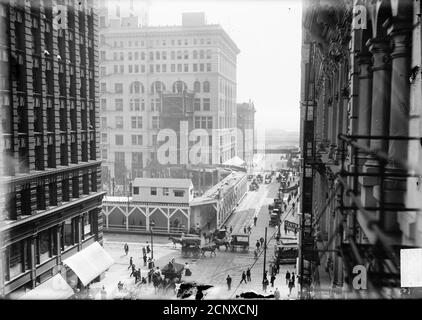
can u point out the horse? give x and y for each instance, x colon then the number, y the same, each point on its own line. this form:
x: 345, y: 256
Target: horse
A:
x: 208, y: 237
x: 222, y: 242
x: 210, y: 248
x: 175, y: 241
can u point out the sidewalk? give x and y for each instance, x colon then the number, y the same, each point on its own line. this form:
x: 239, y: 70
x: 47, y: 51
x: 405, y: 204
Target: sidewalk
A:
x: 257, y: 270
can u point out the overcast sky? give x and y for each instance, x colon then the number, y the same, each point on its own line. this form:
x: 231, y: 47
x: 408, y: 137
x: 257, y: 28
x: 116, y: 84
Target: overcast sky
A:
x: 268, y: 34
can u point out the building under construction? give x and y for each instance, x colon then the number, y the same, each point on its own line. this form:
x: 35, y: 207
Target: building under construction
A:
x: 361, y: 145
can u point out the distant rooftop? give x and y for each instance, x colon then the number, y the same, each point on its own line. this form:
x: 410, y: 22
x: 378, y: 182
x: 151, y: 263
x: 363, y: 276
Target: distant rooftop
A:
x: 222, y: 187
x: 162, y: 183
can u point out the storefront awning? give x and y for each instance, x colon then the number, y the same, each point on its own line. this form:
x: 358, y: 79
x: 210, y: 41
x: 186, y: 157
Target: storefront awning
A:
x: 55, y: 288
x: 89, y: 263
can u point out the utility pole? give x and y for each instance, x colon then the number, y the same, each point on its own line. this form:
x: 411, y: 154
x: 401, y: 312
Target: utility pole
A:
x: 265, y: 255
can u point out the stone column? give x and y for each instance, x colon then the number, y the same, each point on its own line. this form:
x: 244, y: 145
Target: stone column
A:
x: 334, y: 111
x: 395, y: 188
x: 325, y: 133
x: 79, y: 234
x: 338, y: 261
x: 380, y: 114
x: 365, y: 96
x: 339, y: 103
x: 333, y: 115
x: 33, y: 260
x: 341, y: 112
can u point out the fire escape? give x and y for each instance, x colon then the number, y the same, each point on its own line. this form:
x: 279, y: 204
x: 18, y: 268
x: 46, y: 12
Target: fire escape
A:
x: 307, y: 253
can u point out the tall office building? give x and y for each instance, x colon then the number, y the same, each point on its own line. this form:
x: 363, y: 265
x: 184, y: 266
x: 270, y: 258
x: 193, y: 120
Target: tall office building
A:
x: 145, y: 72
x: 51, y: 162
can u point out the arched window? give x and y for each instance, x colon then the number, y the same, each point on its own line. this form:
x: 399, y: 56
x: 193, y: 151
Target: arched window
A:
x: 197, y: 86
x: 179, y: 87
x: 195, y: 54
x: 206, y: 86
x: 158, y: 87
x: 136, y: 87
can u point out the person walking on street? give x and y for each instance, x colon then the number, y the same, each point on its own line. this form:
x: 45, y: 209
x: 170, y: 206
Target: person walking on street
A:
x: 130, y: 263
x: 276, y: 294
x: 148, y: 248
x: 293, y: 278
x: 248, y: 274
x: 272, y: 280
x: 244, y: 229
x: 291, y: 286
x: 144, y: 251
x: 133, y: 270
x: 257, y: 245
x: 145, y: 259
x: 254, y: 220
x: 264, y: 285
x: 231, y: 229
x: 255, y: 253
x: 287, y: 277
x: 243, y: 277
x: 262, y: 242
x: 126, y: 248
x: 229, y: 282
x: 137, y: 275
x: 249, y: 229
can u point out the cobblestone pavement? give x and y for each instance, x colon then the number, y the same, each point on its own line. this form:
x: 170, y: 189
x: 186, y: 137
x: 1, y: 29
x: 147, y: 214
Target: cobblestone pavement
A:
x: 207, y: 270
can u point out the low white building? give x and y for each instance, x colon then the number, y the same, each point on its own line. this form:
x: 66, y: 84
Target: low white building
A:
x: 158, y: 202
x: 162, y: 190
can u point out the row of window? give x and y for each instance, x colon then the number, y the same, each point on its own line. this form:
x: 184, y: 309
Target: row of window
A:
x: 18, y: 257
x: 159, y: 55
x: 165, y: 192
x: 158, y: 68
x: 136, y: 122
x: 157, y: 87
x: 138, y: 104
x: 163, y: 42
x: 203, y: 123
x: 137, y: 160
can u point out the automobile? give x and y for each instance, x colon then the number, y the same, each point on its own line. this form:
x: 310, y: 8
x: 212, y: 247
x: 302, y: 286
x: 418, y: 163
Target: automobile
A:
x: 250, y: 177
x: 253, y: 186
x: 273, y: 219
x: 268, y: 180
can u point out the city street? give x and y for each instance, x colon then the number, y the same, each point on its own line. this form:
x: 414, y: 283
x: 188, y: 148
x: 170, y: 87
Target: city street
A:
x: 207, y: 270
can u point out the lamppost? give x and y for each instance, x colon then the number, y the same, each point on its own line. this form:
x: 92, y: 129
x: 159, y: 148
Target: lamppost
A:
x: 151, y: 225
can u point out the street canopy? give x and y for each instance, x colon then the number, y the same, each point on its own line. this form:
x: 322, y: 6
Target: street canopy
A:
x: 89, y: 263
x: 55, y: 288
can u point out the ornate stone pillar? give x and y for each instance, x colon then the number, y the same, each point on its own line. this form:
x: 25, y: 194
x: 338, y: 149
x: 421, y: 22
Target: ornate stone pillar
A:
x: 333, y: 116
x: 365, y: 96
x: 343, y: 100
x: 395, y: 188
x: 380, y: 114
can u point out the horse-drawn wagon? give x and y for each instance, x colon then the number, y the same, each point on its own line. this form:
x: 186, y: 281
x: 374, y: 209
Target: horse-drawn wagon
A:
x: 239, y: 241
x: 191, y: 247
